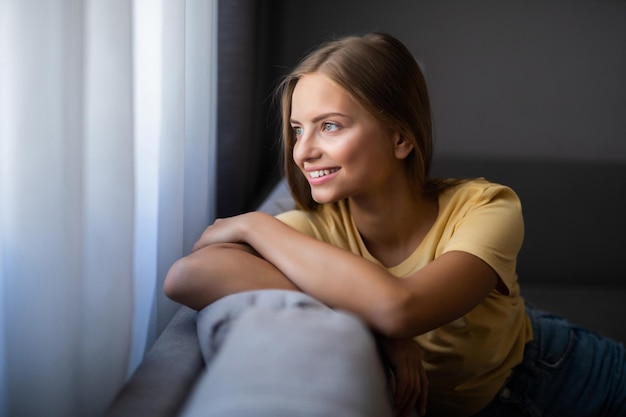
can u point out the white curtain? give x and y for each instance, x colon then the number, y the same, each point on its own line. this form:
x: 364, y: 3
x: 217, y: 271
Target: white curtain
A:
x: 107, y: 114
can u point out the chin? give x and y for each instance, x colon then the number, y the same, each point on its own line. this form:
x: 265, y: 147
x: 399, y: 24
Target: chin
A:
x: 326, y: 199
x: 319, y: 200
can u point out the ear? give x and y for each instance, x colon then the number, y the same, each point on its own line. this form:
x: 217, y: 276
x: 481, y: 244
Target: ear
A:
x: 402, y: 147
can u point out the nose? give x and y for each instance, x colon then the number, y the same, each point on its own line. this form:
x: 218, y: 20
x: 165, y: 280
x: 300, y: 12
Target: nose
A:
x: 306, y: 148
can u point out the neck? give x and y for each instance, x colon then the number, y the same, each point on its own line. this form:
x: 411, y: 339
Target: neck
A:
x: 393, y: 225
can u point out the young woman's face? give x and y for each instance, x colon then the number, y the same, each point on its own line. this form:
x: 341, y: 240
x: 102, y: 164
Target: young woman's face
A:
x: 342, y: 150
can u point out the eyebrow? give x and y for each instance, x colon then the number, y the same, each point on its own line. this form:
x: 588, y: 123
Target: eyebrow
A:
x: 322, y: 117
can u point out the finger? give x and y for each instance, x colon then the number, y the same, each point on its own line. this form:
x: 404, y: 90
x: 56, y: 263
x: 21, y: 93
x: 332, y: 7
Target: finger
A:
x: 402, y: 380
x: 201, y: 242
x: 414, y: 394
x: 198, y: 245
x: 407, y: 392
x: 423, y: 394
x: 405, y: 408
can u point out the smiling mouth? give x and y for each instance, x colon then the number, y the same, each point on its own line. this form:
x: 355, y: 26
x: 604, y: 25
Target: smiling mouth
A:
x: 322, y: 172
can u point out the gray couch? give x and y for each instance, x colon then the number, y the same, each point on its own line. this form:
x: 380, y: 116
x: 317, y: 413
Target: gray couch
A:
x: 571, y: 263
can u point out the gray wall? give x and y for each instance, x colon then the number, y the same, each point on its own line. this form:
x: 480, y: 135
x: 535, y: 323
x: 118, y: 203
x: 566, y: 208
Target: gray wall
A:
x: 540, y: 79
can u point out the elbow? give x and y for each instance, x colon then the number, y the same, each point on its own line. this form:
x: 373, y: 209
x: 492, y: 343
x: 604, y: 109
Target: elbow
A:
x: 394, y: 318
x: 396, y: 327
x: 175, y: 284
x: 181, y: 284
x: 192, y: 281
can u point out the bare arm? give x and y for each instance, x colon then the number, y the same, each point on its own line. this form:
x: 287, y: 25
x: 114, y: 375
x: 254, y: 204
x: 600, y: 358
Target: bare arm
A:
x: 214, y: 271
x: 444, y: 290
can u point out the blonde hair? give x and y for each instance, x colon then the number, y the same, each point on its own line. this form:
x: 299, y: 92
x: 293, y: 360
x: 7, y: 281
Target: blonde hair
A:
x: 382, y: 75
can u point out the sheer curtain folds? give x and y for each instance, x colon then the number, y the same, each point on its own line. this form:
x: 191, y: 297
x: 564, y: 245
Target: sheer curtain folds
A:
x: 107, y: 115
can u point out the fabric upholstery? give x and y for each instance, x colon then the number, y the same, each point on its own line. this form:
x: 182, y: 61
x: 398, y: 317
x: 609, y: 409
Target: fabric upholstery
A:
x: 264, y: 366
x: 161, y: 384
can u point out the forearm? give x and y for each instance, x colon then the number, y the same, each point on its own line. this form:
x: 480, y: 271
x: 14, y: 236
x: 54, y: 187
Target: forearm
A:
x: 392, y: 306
x: 215, y: 271
x: 335, y: 276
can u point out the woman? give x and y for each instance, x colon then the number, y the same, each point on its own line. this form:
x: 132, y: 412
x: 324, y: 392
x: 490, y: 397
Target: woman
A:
x: 414, y: 258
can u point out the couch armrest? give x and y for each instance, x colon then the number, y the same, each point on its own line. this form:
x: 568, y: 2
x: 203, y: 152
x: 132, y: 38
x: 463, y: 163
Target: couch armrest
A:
x: 160, y: 385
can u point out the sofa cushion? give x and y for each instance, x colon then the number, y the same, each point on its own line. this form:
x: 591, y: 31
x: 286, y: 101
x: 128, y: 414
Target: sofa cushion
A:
x: 162, y: 382
x: 266, y: 366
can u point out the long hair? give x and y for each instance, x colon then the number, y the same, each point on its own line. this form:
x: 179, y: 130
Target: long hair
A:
x: 380, y: 73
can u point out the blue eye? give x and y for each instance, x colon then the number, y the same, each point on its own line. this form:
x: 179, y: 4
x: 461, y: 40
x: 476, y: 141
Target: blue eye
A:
x: 330, y: 127
x: 297, y: 130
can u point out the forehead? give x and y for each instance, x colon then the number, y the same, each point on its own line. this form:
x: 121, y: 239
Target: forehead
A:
x: 317, y: 93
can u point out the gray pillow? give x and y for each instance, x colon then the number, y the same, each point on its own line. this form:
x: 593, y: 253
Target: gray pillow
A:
x: 275, y: 353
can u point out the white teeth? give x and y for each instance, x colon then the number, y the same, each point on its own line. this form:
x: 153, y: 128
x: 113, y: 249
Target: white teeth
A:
x: 321, y: 173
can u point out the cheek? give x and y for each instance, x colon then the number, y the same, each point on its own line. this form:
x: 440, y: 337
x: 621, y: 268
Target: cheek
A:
x: 364, y: 150
x: 350, y: 151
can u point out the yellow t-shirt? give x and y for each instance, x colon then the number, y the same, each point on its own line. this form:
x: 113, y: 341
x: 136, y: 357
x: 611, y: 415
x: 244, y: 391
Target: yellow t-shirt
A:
x: 469, y: 359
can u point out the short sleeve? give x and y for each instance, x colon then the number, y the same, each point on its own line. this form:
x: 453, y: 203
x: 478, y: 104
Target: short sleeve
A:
x: 331, y: 223
x: 301, y: 221
x: 492, y: 228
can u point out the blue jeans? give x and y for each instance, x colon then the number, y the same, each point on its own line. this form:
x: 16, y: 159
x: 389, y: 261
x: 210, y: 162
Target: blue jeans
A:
x: 567, y: 371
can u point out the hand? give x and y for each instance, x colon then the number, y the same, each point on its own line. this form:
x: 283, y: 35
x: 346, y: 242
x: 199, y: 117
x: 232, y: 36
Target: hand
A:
x: 228, y: 230
x: 408, y: 377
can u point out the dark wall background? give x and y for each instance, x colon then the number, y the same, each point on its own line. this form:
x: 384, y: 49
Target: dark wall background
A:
x: 516, y: 79
x: 247, y: 142
x: 528, y: 93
